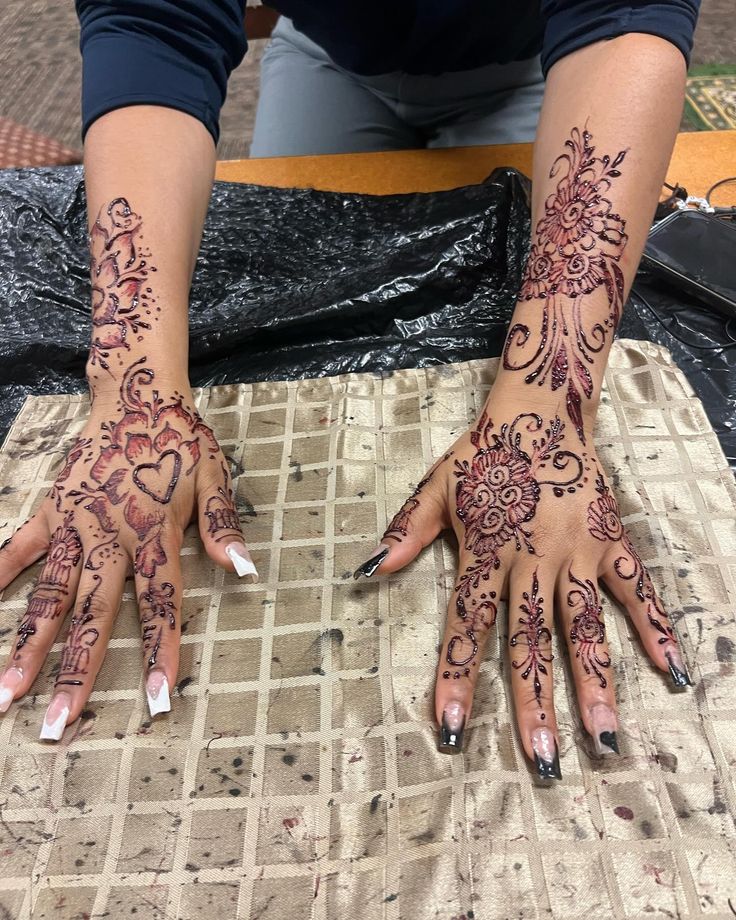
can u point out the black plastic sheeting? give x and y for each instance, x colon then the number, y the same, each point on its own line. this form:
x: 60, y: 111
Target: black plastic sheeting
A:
x: 296, y: 283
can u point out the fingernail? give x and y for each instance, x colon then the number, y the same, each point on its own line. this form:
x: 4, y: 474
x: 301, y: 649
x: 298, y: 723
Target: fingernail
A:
x: 451, y: 729
x: 157, y: 691
x: 546, y: 754
x: 54, y: 722
x: 678, y: 670
x: 369, y: 567
x: 241, y: 560
x: 604, y: 729
x: 9, y: 683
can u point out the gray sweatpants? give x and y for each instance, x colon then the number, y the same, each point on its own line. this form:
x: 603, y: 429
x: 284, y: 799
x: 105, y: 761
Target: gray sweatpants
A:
x: 309, y: 105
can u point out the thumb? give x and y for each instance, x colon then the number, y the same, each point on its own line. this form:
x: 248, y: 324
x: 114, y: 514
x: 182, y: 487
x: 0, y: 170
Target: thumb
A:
x: 417, y: 523
x: 219, y: 526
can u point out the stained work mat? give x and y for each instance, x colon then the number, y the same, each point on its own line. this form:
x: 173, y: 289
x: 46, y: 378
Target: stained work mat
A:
x: 296, y: 775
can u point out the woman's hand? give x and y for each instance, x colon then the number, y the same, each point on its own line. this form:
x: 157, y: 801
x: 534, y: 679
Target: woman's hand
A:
x: 144, y: 465
x: 536, y: 522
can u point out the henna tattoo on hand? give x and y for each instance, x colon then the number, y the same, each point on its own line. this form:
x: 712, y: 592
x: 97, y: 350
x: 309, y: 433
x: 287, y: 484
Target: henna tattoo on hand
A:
x: 221, y: 512
x: 52, y: 588
x: 576, y: 249
x: 399, y: 526
x: 82, y: 637
x: 157, y: 610
x: 537, y: 638
x: 604, y: 523
x: 143, y: 458
x: 497, y: 493
x: 588, y: 630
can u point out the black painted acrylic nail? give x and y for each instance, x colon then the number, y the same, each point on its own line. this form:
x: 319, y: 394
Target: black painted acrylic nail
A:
x: 678, y: 672
x: 608, y: 739
x: 369, y: 567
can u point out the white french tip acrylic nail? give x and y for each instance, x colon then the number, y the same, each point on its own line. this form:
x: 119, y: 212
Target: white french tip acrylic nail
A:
x: 243, y: 565
x: 6, y: 698
x: 157, y: 691
x: 54, y: 722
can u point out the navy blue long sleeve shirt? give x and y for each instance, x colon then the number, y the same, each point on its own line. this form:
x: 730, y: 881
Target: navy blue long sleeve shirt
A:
x: 179, y: 53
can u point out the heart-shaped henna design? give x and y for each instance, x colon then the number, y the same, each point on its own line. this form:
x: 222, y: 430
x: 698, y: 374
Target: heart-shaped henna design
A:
x: 158, y: 480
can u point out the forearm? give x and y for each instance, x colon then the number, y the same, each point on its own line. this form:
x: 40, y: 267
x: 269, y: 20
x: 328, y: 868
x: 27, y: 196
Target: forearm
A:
x: 608, y: 124
x: 148, y: 173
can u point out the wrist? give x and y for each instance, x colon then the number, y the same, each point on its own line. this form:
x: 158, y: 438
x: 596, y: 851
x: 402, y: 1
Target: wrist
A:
x: 135, y: 372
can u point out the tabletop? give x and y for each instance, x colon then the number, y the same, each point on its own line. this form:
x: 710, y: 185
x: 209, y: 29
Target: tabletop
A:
x: 699, y: 160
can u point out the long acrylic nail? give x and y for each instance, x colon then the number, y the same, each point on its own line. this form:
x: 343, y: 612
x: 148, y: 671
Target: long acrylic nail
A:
x: 369, y: 567
x: 239, y: 557
x: 451, y: 729
x: 157, y: 691
x: 9, y: 683
x: 54, y: 722
x: 546, y: 754
x: 604, y: 729
x: 678, y: 670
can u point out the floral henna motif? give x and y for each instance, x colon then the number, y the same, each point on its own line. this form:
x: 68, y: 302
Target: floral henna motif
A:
x: 82, y: 636
x: 49, y: 596
x: 497, y: 493
x: 221, y: 511
x: 157, y: 610
x: 576, y: 249
x: 604, y: 523
x: 537, y: 638
x: 588, y: 630
x: 120, y: 295
x: 144, y: 456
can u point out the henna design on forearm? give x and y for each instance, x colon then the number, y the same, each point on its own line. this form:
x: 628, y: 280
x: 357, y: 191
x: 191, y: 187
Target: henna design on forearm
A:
x: 588, y: 630
x: 82, y: 637
x: 537, y: 639
x: 120, y: 269
x: 577, y: 247
x: 221, y: 512
x: 604, y: 523
x: 157, y: 611
x: 52, y: 588
x: 497, y: 493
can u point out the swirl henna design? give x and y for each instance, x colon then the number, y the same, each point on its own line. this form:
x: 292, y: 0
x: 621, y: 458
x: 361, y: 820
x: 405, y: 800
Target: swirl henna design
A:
x: 588, y: 630
x: 576, y: 249
x: 497, y: 493
x: 604, y: 523
x: 537, y: 638
x: 49, y: 596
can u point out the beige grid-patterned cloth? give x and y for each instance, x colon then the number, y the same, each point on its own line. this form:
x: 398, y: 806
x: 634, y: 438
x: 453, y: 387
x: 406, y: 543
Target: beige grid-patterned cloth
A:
x: 296, y: 775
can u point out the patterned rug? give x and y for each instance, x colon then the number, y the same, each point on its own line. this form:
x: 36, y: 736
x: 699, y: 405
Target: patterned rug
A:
x: 710, y: 100
x: 297, y: 776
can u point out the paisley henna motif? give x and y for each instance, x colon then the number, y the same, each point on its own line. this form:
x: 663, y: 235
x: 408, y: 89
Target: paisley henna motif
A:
x: 588, y: 630
x: 604, y: 523
x: 576, y: 249
x: 536, y: 637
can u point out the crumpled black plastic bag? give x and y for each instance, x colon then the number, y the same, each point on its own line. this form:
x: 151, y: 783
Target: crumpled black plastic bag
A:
x: 296, y: 283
